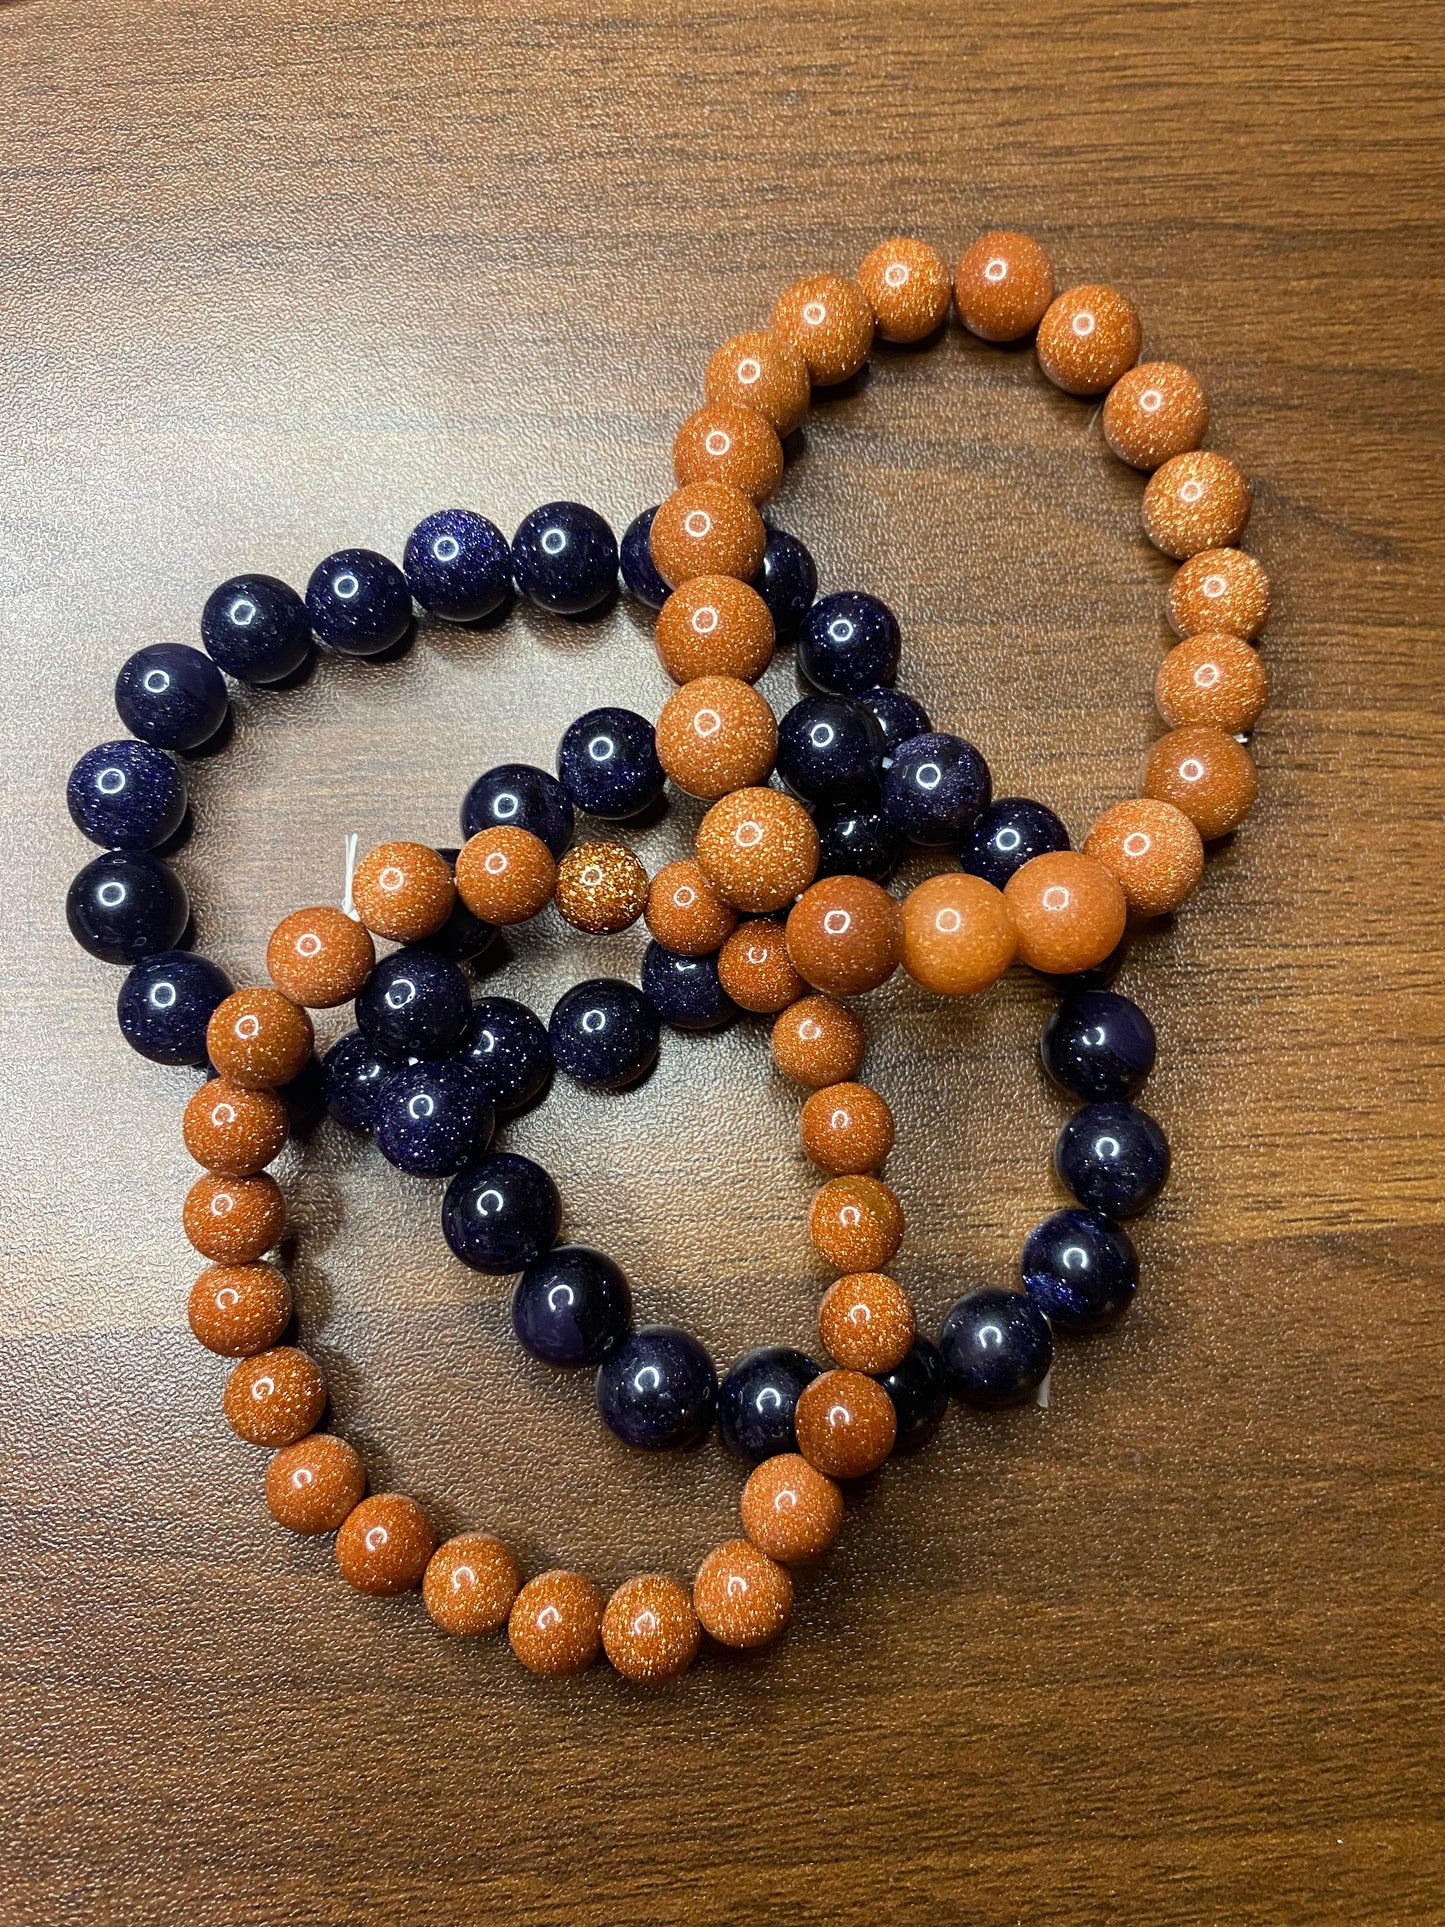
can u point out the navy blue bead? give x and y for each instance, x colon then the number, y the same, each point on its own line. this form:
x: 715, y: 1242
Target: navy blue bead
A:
x: 787, y: 582
x: 463, y: 937
x: 604, y: 1033
x: 897, y: 715
x: 686, y: 991
x: 358, y: 602
x: 757, y: 1400
x: 572, y: 1306
x: 125, y: 905
x: 500, y: 1214
x: 520, y: 796
x: 1098, y: 1045
x: 639, y: 571
x: 165, y: 1004
x: 1098, y: 977
x: 1113, y: 1157
x: 564, y: 558
x: 607, y: 763
x: 431, y: 1119
x: 658, y: 1389
x: 414, y: 1004
x: 256, y: 628
x: 1009, y: 834
x: 935, y: 789
x: 830, y: 751
x: 304, y: 1098
x: 1080, y: 1269
x: 171, y: 696
x: 458, y: 565
x: 996, y: 1347
x: 352, y: 1075
x: 849, y: 643
x: 506, y: 1046
x: 918, y: 1387
x: 126, y: 795
x: 856, y: 843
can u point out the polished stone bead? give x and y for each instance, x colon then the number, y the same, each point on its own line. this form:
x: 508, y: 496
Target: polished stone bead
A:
x: 1098, y: 1045
x: 359, y: 603
x: 658, y: 1389
x: 1113, y: 1157
x: 432, y: 1119
x: 464, y: 936
x: 519, y: 796
x: 572, y: 1306
x: 1007, y: 835
x: 856, y: 843
x: 607, y: 763
x: 126, y: 904
x: 604, y: 1033
x: 414, y: 1004
x: 171, y: 696
x: 500, y: 1214
x: 996, y: 1347
x: 830, y: 751
x: 458, y: 565
x: 848, y: 644
x: 918, y: 1387
x: 639, y: 571
x: 352, y: 1076
x: 564, y: 558
x: 686, y: 992
x: 1080, y: 1269
x: 935, y: 790
x: 126, y: 795
x: 897, y: 715
x: 506, y: 1046
x: 256, y: 628
x: 787, y: 582
x: 758, y: 1398
x: 165, y: 1004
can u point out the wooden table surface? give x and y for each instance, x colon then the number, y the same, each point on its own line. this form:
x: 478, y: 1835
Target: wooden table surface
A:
x: 283, y: 277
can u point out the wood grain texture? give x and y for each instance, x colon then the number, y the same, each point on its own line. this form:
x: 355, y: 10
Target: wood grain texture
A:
x: 280, y: 277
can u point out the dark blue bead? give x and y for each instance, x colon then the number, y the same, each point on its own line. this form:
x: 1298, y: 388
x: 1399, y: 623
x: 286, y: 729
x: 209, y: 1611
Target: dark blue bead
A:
x: 918, y: 1387
x: 358, y: 602
x: 165, y: 1004
x: 1098, y: 977
x: 897, y: 715
x: 171, y: 696
x: 830, y: 751
x: 787, y: 582
x: 686, y: 991
x: 521, y: 797
x: 414, y: 1004
x: 564, y: 558
x: 1098, y: 1045
x: 856, y: 843
x: 604, y: 1033
x: 1080, y: 1269
x: 757, y: 1400
x: 458, y: 565
x: 501, y: 1214
x: 256, y: 628
x: 506, y: 1046
x: 848, y: 644
x: 658, y: 1389
x: 352, y: 1075
x: 462, y: 937
x: 996, y: 1347
x: 1009, y: 834
x: 572, y: 1306
x: 125, y: 905
x: 607, y: 763
x: 934, y: 790
x: 639, y: 571
x: 431, y: 1119
x: 1113, y: 1157
x: 304, y: 1098
x: 127, y: 795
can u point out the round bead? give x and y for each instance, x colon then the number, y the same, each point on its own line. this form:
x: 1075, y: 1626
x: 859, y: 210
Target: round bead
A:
x: 125, y: 905
x: 505, y: 876
x: 1087, y: 339
x: 830, y: 751
x: 715, y: 735
x: 917, y: 1389
x: 706, y: 528
x: 432, y: 1119
x: 320, y: 957
x: 256, y: 628
x: 231, y: 1131
x: 1206, y: 774
x: 818, y: 1042
x: 258, y: 1039
x: 564, y: 558
x: 649, y: 1629
x: 604, y: 1033
x: 1219, y: 589
x: 856, y: 1223
x: 687, y: 992
x: 1195, y: 502
x: 908, y: 289
x: 403, y: 891
x: 935, y: 789
x: 607, y: 763
x: 715, y: 625
x: 726, y: 442
x: 358, y: 602
x: 500, y: 1214
x: 165, y: 1005
x: 845, y: 936
x: 790, y: 1511
x: 555, y: 1624
x: 846, y: 1424
x: 764, y: 372
x: 685, y: 913
x: 1068, y: 910
x: 758, y: 849
x: 756, y: 971
x: 519, y: 796
x: 1098, y: 1045
x: 1003, y: 285
x: 856, y: 842
x: 658, y: 1389
x: 897, y: 715
x: 414, y: 1005
x: 787, y: 581
x: 958, y: 935
x: 571, y: 1306
x: 352, y: 1074
x: 639, y: 571
x: 1079, y: 1268
x: 171, y: 697
x: 1215, y: 679
x: 601, y: 888
x: 1113, y: 1157
x: 1154, y: 412
x: 866, y: 1322
x: 849, y: 643
x: 1007, y: 835
x: 275, y: 1397
x: 126, y: 795
x: 1153, y: 850
x: 470, y: 1584
x: 313, y: 1485
x: 757, y: 1399
x: 233, y: 1221
x: 238, y: 1310
x: 742, y: 1597
x: 829, y: 322
x: 384, y: 1544
x: 506, y: 1049
x: 997, y: 1348
x: 847, y: 1129
x: 458, y: 565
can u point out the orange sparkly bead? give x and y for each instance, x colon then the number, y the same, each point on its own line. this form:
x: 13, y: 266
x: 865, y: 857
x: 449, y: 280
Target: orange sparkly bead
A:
x: 1206, y: 774
x: 958, y: 936
x: 685, y: 913
x: 764, y: 372
x: 818, y: 1042
x: 755, y: 969
x: 320, y: 957
x: 791, y: 1511
x: 1088, y: 337
x: 716, y: 734
x: 1068, y: 910
x: 649, y: 1629
x: 403, y: 891
x: 311, y: 1486
x: 908, y: 288
x: 470, y: 1584
x: 845, y: 935
x: 1219, y: 589
x: 715, y: 625
x: 1153, y: 412
x: 742, y: 1597
x: 726, y: 442
x: 234, y: 1221
x: 239, y: 1310
x: 275, y: 1398
x: 758, y: 848
x: 829, y: 322
x: 505, y: 875
x: 1003, y: 285
x: 555, y: 1624
x: 845, y: 1423
x: 856, y: 1223
x: 1153, y: 849
x: 233, y: 1132
x: 1194, y: 502
x: 1217, y: 679
x: 601, y: 888
x: 706, y: 528
x: 847, y: 1129
x: 866, y: 1321
x: 384, y: 1544
x: 258, y: 1039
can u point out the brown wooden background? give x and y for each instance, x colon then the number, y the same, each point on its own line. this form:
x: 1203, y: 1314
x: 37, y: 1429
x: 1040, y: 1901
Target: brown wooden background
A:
x: 283, y: 276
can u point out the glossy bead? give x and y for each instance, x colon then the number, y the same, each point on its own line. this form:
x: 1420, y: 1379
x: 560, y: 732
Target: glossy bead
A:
x: 908, y: 288
x: 607, y: 763
x: 787, y: 581
x: 1079, y: 1268
x: 1068, y: 910
x: 849, y: 643
x: 715, y: 735
x: 463, y: 937
x: 352, y: 1073
x: 1205, y: 773
x: 639, y: 571
x: 845, y: 1424
x: 274, y: 1397
x: 126, y: 795
x: 897, y: 715
x: 604, y: 1033
x: 996, y: 1347
x: 234, y: 1221
x: 403, y: 891
x: 726, y: 442
x: 233, y: 1132
x: 758, y: 849
x: 866, y: 1322
x: 313, y: 1485
x: 856, y: 842
x: 1087, y: 339
x: 414, y: 1005
x: 1215, y: 679
x: 500, y: 1214
x: 601, y: 888
x: 358, y: 602
x: 658, y: 1389
x: 1113, y: 1157
x: 258, y: 1039
x: 1098, y: 1045
x: 830, y: 750
x: 555, y: 1624
x: 518, y: 796
x: 715, y: 625
x: 238, y: 1310
x: 829, y: 322
x: 1154, y: 412
x: 571, y: 1306
x: 1219, y: 589
x: 1195, y: 502
x: 256, y: 628
x: 1007, y: 835
x: 958, y: 935
x: 856, y: 1223
x: 650, y: 1632
x: 686, y: 992
x: 845, y: 936
x: 757, y: 1399
x: 1003, y: 285
x: 818, y: 1042
x: 1153, y: 850
x: 706, y: 528
x: 763, y: 372
x: 506, y: 1048
x: 458, y: 565
x: 125, y: 905
x: 432, y: 1119
x: 564, y: 558
x: 742, y: 1597
x: 685, y: 914
x: 505, y: 876
x: 936, y: 789
x: 917, y: 1389
x: 384, y: 1544
x: 790, y: 1511
x: 171, y: 697
x: 756, y: 970
x: 165, y: 1005
x: 320, y: 957
x: 470, y: 1585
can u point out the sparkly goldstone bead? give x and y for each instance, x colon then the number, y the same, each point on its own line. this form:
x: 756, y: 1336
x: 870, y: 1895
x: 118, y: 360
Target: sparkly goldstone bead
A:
x: 829, y: 322
x: 845, y: 1423
x: 384, y: 1544
x: 790, y: 1510
x: 1217, y: 679
x: 555, y: 1624
x: 1204, y: 773
x: 1154, y: 412
x: 726, y: 442
x: 1087, y: 339
x: 685, y: 913
x: 847, y: 1129
x: 259, y: 1039
x: 505, y: 875
x: 856, y: 1223
x: 601, y: 888
x: 958, y: 936
x: 403, y: 891
x: 755, y: 969
x: 320, y: 957
x: 742, y: 1597
x: 706, y: 528
x: 650, y: 1631
x: 866, y: 1322
x: 715, y: 625
x: 1194, y: 502
x: 1003, y: 285
x: 1219, y: 589
x: 764, y: 372
x: 238, y: 1310
x: 275, y: 1398
x: 470, y: 1583
x: 818, y: 1042
x: 313, y: 1485
x: 1154, y: 851
x: 1068, y: 910
x: 233, y: 1132
x: 234, y: 1221
x: 908, y: 289
x: 715, y: 735
x: 758, y: 848
x: 845, y: 935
